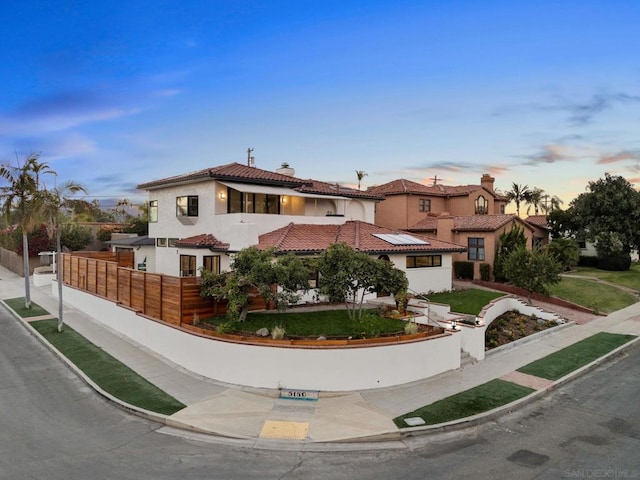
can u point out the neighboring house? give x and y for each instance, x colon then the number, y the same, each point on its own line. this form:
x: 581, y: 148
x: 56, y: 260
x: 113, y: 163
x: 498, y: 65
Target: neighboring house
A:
x: 197, y: 219
x: 541, y: 232
x: 142, y: 247
x: 480, y: 234
x: 427, y: 262
x: 407, y: 203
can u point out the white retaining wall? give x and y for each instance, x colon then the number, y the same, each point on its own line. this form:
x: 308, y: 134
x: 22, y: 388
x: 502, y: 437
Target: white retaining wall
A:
x: 326, y: 369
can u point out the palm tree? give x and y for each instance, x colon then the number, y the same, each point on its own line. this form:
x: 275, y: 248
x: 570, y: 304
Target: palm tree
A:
x: 55, y: 202
x: 518, y: 194
x: 554, y: 203
x: 361, y: 174
x: 22, y: 197
x: 536, y: 200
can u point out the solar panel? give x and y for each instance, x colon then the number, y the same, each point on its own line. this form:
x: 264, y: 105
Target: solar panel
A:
x: 400, y: 239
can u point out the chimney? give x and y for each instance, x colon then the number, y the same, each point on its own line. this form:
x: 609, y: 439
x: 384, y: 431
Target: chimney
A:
x: 487, y: 181
x: 285, y: 169
x: 445, y: 227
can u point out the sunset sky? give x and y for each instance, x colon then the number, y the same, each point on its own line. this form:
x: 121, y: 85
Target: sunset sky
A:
x: 114, y: 94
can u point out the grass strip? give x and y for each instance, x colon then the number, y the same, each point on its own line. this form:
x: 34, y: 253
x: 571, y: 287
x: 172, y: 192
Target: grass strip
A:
x: 17, y: 305
x: 107, y: 372
x: 470, y: 301
x: 565, y: 361
x: 600, y: 297
x: 482, y: 398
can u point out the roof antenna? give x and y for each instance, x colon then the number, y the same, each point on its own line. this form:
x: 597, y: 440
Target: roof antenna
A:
x: 251, y: 160
x: 435, y: 180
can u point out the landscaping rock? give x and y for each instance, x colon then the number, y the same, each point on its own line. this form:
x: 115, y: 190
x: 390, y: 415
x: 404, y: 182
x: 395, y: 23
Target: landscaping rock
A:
x: 321, y: 337
x: 263, y: 332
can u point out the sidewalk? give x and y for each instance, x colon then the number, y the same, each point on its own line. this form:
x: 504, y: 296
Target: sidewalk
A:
x: 259, y: 418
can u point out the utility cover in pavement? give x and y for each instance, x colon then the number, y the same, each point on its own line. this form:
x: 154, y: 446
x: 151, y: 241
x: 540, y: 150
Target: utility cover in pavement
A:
x: 414, y: 421
x: 284, y: 430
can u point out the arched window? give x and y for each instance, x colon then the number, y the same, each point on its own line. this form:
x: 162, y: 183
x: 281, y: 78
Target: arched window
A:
x: 482, y: 206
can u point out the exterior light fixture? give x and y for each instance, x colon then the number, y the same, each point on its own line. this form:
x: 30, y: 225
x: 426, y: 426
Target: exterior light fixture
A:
x: 454, y: 324
x: 477, y: 320
x: 222, y: 195
x: 284, y: 199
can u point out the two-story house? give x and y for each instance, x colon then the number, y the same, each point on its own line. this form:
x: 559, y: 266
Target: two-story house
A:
x: 469, y: 215
x: 199, y: 219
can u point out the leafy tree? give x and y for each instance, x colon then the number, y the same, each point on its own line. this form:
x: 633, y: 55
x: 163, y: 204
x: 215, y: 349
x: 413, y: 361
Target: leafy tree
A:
x: 518, y: 194
x: 347, y: 276
x: 532, y: 271
x: 561, y: 223
x: 137, y: 225
x: 565, y: 251
x: 256, y: 273
x: 75, y: 236
x: 21, y: 196
x: 507, y: 243
x: 611, y: 252
x: 610, y: 205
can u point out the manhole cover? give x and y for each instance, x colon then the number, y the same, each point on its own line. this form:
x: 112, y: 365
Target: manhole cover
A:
x: 528, y: 458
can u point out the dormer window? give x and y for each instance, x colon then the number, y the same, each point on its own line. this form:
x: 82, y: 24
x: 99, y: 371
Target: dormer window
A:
x: 482, y: 205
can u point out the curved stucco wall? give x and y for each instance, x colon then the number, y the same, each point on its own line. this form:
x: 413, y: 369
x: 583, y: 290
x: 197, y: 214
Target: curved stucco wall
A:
x: 330, y: 369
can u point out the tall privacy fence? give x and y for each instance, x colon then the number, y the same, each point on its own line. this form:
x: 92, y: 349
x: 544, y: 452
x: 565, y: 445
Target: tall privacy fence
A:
x: 175, y: 300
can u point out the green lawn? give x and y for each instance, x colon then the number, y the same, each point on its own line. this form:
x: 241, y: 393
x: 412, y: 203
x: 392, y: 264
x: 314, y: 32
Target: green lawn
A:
x: 559, y: 364
x: 629, y: 278
x: 482, y: 398
x: 107, y: 372
x: 330, y: 323
x: 470, y: 301
x: 590, y: 294
x: 17, y: 304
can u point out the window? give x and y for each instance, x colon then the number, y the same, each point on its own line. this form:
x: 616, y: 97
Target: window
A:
x: 502, y: 209
x: 211, y: 263
x: 153, y: 211
x: 582, y: 245
x: 187, y: 266
x: 475, y: 248
x: 240, y: 202
x: 161, y: 242
x: 482, y: 206
x: 422, y: 261
x: 187, y: 206
x: 424, y: 205
x: 171, y: 242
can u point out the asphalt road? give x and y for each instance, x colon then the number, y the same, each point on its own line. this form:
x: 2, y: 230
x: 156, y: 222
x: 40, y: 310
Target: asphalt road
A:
x: 54, y: 427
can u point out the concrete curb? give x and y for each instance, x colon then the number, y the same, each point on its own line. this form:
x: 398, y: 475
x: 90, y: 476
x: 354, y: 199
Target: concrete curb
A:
x: 391, y: 440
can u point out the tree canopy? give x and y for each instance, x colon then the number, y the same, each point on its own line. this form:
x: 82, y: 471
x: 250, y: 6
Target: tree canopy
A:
x: 256, y: 273
x: 532, y: 270
x: 611, y: 205
x: 347, y: 276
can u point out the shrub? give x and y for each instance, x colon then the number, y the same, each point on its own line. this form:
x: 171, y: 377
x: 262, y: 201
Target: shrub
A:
x: 463, y: 270
x: 617, y: 263
x: 278, y: 332
x: 485, y: 272
x: 75, y: 237
x: 411, y: 328
x: 588, y: 261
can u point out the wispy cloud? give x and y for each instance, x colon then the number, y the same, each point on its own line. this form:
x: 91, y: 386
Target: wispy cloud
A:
x: 581, y: 112
x: 622, y: 156
x: 557, y: 152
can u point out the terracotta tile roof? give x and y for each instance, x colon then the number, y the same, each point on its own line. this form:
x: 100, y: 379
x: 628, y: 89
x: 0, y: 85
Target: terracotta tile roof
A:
x: 306, y: 238
x: 403, y: 186
x: 205, y: 240
x: 323, y: 188
x: 245, y: 174
x: 469, y: 223
x: 538, y: 221
x: 230, y: 172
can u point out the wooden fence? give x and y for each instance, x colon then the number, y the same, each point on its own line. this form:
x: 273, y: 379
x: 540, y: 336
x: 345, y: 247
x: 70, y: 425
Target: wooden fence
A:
x: 175, y: 300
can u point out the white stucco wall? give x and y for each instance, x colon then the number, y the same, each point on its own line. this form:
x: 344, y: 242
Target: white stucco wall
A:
x: 335, y: 369
x: 428, y: 279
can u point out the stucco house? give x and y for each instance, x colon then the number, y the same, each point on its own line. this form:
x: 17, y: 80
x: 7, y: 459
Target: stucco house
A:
x: 427, y: 262
x: 407, y: 203
x: 480, y: 233
x: 199, y: 218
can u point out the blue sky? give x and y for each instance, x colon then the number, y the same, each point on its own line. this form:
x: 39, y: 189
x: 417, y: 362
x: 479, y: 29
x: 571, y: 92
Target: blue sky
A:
x: 113, y: 94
